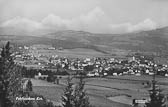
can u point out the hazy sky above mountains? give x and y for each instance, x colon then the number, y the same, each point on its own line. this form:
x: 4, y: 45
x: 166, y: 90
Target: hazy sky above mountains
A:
x: 100, y: 16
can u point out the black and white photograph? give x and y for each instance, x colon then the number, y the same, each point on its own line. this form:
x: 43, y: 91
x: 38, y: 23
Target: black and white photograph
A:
x: 83, y: 53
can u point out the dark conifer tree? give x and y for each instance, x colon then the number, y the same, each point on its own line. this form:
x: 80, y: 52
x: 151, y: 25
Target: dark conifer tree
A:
x: 80, y: 97
x: 29, y: 86
x: 10, y: 78
x: 156, y: 98
x: 67, y: 98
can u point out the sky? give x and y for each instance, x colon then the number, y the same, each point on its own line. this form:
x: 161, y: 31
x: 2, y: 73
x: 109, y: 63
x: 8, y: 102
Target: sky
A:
x: 96, y: 16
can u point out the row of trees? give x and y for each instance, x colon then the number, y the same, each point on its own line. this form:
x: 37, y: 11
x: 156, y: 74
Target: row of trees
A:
x: 30, y: 73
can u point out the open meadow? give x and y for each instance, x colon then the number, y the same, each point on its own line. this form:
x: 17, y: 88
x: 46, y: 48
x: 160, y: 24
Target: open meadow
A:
x: 70, y: 53
x: 112, y: 91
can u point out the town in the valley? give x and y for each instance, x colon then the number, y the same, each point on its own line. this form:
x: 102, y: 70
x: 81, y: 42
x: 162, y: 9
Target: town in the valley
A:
x: 122, y: 81
x: 83, y: 53
x: 136, y: 64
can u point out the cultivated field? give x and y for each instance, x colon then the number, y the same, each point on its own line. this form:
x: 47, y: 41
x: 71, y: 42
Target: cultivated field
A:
x: 105, y: 92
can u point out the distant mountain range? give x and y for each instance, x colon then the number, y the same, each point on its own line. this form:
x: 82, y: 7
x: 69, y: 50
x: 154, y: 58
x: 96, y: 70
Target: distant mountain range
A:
x: 144, y: 41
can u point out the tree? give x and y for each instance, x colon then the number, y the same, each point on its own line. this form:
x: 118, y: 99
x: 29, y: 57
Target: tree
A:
x: 80, y: 97
x: 58, y: 66
x: 89, y: 68
x: 75, y: 97
x: 67, y: 98
x: 156, y: 98
x: 10, y: 78
x: 29, y: 85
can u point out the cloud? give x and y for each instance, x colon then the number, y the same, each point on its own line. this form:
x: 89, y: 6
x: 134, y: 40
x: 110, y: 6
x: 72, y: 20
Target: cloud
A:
x: 147, y: 24
x: 86, y: 21
x: 55, y: 21
x: 22, y: 23
x: 90, y: 20
x: 94, y: 21
x: 93, y: 16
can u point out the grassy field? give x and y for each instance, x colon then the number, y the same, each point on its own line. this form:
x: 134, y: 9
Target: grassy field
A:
x: 100, y: 90
x: 71, y: 53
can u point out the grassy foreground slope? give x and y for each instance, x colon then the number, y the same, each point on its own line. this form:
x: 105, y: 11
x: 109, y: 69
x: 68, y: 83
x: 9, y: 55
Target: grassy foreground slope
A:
x: 100, y: 89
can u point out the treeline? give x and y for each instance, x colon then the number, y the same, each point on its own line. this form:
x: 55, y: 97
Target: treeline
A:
x: 30, y: 73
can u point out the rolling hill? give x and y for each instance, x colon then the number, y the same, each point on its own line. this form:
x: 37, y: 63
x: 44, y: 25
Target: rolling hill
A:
x: 152, y: 41
x: 144, y: 41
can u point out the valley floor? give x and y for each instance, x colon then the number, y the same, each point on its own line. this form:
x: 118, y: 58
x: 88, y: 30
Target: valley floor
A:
x: 104, y: 92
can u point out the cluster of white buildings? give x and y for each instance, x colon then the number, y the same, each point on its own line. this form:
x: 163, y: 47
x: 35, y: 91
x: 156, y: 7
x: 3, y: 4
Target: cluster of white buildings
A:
x: 135, y: 65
